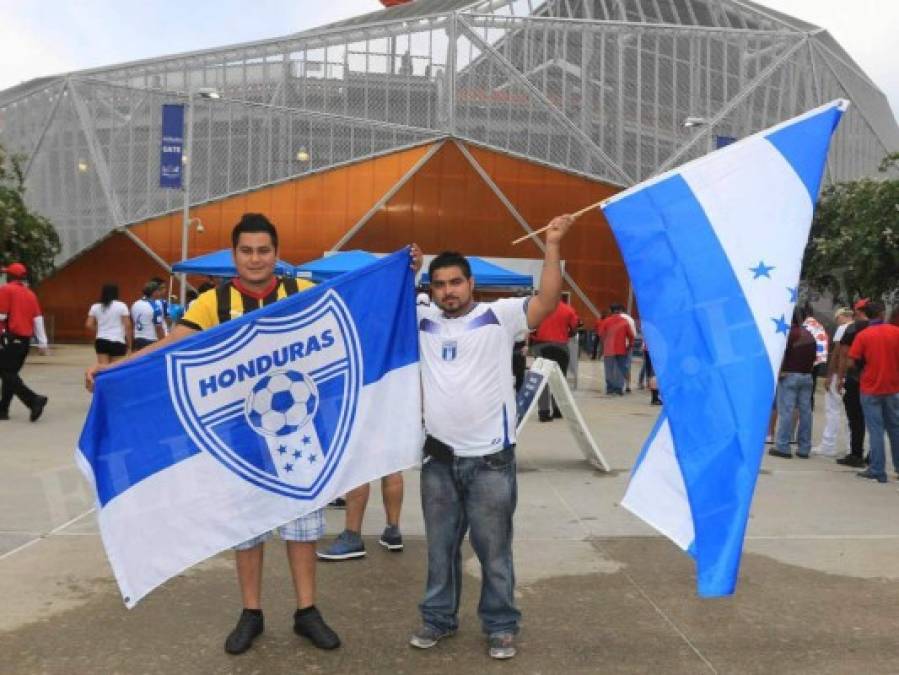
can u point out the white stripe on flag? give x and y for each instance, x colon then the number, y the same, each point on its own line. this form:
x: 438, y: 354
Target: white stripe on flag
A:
x: 656, y: 492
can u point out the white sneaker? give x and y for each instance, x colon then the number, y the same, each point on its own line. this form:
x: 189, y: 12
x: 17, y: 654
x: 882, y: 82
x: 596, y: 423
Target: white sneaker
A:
x: 824, y: 452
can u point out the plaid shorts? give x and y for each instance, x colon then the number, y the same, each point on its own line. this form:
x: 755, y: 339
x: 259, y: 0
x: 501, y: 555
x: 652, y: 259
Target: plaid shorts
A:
x: 306, y: 528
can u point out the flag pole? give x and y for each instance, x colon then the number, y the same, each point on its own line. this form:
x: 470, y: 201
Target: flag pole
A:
x: 575, y: 215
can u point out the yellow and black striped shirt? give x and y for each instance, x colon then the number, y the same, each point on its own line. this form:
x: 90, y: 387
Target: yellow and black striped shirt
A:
x: 227, y: 302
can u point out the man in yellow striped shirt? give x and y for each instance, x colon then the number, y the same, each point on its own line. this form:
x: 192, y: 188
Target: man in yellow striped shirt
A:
x: 255, y: 246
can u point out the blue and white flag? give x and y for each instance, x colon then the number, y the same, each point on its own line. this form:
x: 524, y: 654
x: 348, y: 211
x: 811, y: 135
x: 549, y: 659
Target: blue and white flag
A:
x: 238, y: 429
x: 714, y: 251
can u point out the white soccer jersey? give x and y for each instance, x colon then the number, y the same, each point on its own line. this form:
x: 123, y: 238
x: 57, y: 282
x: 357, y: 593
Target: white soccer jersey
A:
x: 466, y: 371
x: 145, y: 317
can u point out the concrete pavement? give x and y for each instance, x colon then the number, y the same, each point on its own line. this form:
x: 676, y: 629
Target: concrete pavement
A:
x: 600, y: 591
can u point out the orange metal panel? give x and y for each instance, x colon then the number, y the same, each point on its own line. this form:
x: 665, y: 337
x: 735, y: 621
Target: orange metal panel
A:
x: 312, y: 213
x: 448, y: 206
x: 539, y: 193
x: 66, y: 296
x: 445, y: 205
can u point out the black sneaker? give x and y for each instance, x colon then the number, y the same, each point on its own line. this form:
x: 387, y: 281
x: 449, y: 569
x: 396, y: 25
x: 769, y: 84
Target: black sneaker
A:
x: 37, y: 408
x: 308, y: 623
x: 545, y: 417
x: 774, y: 452
x: 339, y: 503
x: 391, y: 539
x: 851, y: 460
x: 248, y: 628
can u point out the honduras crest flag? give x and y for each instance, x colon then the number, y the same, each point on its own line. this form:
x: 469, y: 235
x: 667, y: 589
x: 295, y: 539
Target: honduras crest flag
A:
x: 714, y: 252
x: 238, y: 429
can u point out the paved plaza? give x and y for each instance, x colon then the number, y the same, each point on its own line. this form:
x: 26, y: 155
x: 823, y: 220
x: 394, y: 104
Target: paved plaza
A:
x: 600, y: 591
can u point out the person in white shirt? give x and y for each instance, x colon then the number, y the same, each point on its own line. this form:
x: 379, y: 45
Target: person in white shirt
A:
x: 834, y: 413
x: 111, y: 320
x: 468, y: 480
x: 146, y: 316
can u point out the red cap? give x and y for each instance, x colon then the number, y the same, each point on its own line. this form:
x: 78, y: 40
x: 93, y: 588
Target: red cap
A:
x: 16, y: 270
x: 861, y: 304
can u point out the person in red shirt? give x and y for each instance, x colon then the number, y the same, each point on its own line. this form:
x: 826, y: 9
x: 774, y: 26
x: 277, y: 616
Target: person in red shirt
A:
x: 876, y: 352
x: 617, y: 338
x: 20, y: 320
x: 550, y: 341
x: 597, y: 343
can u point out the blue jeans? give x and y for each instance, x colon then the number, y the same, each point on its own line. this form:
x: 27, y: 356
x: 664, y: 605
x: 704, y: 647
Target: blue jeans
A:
x: 477, y: 494
x: 882, y: 414
x: 794, y: 390
x: 615, y: 367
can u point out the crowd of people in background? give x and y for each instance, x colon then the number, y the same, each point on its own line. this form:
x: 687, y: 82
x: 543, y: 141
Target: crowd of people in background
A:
x: 858, y: 361
x: 119, y: 330
x: 860, y: 365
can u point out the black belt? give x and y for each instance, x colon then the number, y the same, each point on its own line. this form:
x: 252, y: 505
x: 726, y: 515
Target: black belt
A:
x: 12, y: 337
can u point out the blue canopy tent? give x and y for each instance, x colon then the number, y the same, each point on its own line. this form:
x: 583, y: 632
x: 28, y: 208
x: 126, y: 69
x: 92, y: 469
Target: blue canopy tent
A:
x: 330, y: 266
x: 221, y: 264
x: 488, y: 275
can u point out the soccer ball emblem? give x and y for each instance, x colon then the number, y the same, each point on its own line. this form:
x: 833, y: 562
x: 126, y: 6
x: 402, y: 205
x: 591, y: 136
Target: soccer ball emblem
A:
x: 281, y: 402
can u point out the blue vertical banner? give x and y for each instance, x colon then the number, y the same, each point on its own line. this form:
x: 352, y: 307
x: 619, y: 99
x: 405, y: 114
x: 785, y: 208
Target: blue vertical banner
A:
x: 724, y: 141
x: 171, y: 146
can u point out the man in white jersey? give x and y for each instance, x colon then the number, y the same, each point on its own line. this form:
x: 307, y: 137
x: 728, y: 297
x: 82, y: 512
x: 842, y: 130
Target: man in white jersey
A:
x: 468, y: 480
x: 146, y: 316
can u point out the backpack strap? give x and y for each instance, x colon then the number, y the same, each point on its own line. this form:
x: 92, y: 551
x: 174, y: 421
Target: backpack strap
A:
x: 290, y: 285
x: 223, y: 301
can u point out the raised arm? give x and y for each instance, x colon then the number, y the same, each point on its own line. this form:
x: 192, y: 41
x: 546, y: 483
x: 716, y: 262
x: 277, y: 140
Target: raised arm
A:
x: 542, y: 305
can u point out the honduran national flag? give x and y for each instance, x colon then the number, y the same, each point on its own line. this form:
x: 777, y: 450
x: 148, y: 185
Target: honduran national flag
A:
x: 238, y: 429
x: 714, y: 251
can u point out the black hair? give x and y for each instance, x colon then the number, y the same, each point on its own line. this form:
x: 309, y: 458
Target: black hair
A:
x: 873, y: 309
x: 450, y: 259
x: 254, y: 222
x: 150, y: 288
x: 205, y: 286
x: 108, y: 293
x: 190, y: 295
x: 616, y: 308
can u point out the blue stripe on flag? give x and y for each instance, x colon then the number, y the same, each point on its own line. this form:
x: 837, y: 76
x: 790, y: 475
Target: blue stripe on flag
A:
x: 716, y: 375
x: 804, y: 143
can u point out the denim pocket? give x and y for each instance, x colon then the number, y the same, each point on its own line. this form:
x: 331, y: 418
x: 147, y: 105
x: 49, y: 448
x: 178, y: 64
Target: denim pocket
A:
x: 500, y: 460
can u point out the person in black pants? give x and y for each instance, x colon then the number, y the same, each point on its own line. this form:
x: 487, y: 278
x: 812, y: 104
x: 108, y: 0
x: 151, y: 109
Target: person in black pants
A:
x: 851, y: 393
x: 519, y: 362
x: 560, y: 355
x: 21, y: 319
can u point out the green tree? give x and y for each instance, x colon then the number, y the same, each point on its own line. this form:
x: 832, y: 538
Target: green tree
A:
x: 853, y: 250
x: 25, y: 236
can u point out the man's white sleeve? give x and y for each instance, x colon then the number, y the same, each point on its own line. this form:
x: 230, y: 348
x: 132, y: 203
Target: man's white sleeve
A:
x: 39, y: 332
x: 512, y: 314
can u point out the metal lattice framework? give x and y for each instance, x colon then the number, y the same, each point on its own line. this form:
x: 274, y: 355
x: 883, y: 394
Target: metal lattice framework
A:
x: 597, y: 87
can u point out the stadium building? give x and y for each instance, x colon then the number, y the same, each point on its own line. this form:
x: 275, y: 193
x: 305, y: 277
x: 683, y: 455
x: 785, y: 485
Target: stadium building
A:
x: 453, y: 123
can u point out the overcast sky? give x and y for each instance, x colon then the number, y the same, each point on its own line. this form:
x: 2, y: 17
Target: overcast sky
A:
x: 46, y: 37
